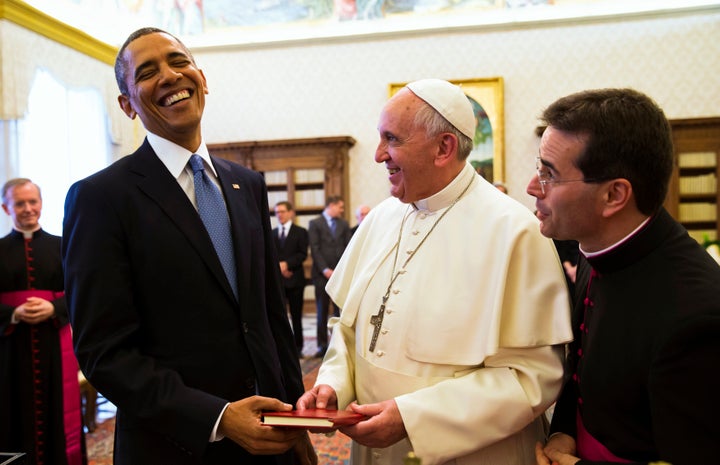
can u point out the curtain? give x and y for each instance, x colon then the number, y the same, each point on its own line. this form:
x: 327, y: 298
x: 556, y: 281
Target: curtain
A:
x: 64, y: 137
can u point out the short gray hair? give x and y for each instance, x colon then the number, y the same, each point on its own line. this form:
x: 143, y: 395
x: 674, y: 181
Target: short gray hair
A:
x: 16, y: 182
x: 435, y: 123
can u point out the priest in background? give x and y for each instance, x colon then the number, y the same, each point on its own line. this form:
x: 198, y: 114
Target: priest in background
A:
x: 40, y: 412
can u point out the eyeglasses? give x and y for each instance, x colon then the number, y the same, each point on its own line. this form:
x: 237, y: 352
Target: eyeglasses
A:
x: 546, y: 177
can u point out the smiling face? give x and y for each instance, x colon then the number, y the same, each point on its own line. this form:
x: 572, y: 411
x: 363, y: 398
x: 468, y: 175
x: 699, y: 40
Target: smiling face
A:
x: 407, y: 152
x: 24, y: 204
x: 165, y: 89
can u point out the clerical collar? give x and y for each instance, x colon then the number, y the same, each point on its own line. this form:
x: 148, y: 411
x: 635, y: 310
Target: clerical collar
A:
x: 617, y: 244
x: 449, y: 193
x: 176, y: 158
x: 27, y: 234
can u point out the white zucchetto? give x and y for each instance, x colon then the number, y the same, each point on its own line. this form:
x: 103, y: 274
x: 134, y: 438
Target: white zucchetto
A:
x: 449, y: 100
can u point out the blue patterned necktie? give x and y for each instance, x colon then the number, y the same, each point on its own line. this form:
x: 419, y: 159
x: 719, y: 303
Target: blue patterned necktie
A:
x: 214, y: 215
x: 333, y: 226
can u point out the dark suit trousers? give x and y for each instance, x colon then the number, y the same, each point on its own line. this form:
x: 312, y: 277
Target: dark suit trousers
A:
x: 295, y: 300
x: 147, y: 447
x: 323, y: 303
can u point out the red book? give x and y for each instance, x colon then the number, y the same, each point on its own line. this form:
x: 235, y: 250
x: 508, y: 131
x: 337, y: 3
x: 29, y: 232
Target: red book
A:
x: 313, y: 418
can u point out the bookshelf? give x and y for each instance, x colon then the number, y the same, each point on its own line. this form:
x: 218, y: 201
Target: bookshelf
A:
x: 303, y: 171
x: 693, y: 198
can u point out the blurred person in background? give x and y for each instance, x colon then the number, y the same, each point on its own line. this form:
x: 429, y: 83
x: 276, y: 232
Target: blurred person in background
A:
x: 40, y: 411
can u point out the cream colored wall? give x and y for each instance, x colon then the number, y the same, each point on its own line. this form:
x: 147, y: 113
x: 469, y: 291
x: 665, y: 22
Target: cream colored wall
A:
x: 339, y: 87
x: 23, y: 52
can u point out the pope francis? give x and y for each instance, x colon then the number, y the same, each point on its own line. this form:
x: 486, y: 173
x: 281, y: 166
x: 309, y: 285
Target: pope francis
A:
x: 455, y: 308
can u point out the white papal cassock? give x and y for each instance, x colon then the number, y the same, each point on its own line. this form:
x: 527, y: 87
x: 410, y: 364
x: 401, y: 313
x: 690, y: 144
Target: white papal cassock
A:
x: 469, y: 342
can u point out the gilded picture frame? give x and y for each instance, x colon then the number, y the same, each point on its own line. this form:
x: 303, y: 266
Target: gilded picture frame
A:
x: 486, y: 96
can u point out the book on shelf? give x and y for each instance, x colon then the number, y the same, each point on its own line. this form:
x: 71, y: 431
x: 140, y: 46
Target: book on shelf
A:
x: 276, y: 177
x: 697, y: 159
x: 276, y: 196
x: 310, y: 198
x: 310, y: 176
x: 703, y: 184
x: 312, y: 418
x: 697, y: 211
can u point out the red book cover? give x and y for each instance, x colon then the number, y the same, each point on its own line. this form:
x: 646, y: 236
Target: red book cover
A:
x: 312, y: 418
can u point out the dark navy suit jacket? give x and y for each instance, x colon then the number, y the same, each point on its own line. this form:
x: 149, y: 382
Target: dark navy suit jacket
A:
x: 294, y: 251
x: 157, y: 328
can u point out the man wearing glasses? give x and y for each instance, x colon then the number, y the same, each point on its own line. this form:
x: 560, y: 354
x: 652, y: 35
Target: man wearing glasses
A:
x: 646, y: 312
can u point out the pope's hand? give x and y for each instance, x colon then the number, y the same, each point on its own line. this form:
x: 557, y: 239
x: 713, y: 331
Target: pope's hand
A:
x: 321, y: 396
x: 383, y: 428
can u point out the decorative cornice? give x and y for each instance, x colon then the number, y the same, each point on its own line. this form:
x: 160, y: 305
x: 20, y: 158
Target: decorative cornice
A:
x: 34, y: 20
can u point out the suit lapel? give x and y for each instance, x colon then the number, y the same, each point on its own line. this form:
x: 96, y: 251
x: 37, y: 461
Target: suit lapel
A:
x: 237, y: 198
x: 326, y: 226
x: 294, y: 230
x: 290, y: 233
x: 158, y: 184
x: 330, y: 235
x: 276, y: 236
x: 288, y: 237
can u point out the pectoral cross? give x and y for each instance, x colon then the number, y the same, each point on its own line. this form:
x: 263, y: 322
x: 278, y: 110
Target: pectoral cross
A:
x: 376, y: 321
